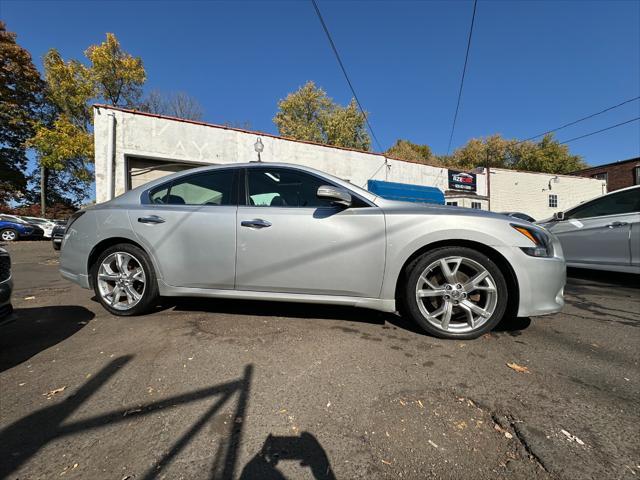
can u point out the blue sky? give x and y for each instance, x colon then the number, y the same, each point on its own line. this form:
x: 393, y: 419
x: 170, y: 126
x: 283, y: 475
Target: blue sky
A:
x: 534, y: 65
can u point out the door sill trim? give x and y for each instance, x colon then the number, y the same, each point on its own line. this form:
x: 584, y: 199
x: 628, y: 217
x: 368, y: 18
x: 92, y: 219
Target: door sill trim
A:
x: 383, y: 305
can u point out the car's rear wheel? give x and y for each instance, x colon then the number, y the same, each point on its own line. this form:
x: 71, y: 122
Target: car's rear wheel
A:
x: 455, y: 292
x: 124, y: 280
x: 9, y: 235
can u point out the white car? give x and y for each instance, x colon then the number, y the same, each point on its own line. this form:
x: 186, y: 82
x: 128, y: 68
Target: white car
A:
x: 46, y: 225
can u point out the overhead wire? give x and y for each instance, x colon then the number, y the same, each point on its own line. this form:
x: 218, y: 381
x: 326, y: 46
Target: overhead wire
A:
x: 344, y: 71
x: 464, y: 71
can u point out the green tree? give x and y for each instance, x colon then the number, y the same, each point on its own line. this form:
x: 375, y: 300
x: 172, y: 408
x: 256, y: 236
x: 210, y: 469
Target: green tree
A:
x: 63, y: 139
x: 309, y: 114
x: 406, y: 150
x: 547, y: 155
x: 21, y: 91
x: 118, y: 76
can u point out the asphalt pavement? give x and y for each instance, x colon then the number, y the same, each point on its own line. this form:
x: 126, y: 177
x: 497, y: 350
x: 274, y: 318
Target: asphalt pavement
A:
x: 208, y: 389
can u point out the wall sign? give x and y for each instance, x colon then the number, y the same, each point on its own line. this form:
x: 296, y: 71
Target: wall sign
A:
x: 462, y: 181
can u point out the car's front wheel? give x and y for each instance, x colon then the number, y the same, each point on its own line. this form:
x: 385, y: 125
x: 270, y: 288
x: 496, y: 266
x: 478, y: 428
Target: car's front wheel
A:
x: 9, y: 235
x: 455, y: 292
x: 124, y: 280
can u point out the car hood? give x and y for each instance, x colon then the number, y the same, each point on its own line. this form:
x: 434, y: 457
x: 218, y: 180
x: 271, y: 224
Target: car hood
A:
x: 396, y: 207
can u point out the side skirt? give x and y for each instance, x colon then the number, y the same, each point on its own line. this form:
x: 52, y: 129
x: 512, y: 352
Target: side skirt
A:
x: 383, y: 305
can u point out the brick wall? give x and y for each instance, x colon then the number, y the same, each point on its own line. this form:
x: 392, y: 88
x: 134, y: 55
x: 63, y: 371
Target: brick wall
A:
x: 619, y: 175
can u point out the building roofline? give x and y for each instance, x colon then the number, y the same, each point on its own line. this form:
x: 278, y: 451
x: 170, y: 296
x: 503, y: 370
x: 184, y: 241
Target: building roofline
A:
x: 256, y: 132
x: 619, y: 162
x: 571, y: 175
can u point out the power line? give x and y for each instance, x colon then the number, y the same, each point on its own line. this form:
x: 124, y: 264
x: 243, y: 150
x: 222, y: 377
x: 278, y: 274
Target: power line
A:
x: 464, y: 71
x: 601, y: 130
x: 344, y: 71
x: 588, y: 134
x: 578, y: 121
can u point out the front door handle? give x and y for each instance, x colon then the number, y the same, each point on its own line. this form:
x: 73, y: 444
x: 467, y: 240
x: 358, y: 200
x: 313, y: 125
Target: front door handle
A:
x: 255, y: 223
x: 151, y: 219
x: 617, y: 224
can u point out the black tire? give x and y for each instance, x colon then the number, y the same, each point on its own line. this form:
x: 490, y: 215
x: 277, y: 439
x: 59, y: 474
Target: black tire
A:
x: 409, y: 302
x: 56, y: 246
x: 150, y: 293
x: 10, y: 234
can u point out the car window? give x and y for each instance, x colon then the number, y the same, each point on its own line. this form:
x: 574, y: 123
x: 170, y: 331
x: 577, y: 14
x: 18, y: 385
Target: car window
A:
x: 209, y: 188
x: 614, y: 204
x: 283, y: 187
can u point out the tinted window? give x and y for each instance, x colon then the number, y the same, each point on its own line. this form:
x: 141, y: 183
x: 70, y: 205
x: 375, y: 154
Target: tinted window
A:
x: 210, y: 188
x: 283, y: 187
x: 615, y: 204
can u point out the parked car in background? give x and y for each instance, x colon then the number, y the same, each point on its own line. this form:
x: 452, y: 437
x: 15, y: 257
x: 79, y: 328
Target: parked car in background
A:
x: 291, y: 233
x: 43, y: 223
x: 56, y: 236
x: 520, y: 215
x: 6, y: 283
x: 601, y: 234
x: 12, y: 229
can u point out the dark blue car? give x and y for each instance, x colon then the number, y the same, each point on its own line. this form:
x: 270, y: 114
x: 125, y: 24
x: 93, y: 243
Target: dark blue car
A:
x: 11, y: 230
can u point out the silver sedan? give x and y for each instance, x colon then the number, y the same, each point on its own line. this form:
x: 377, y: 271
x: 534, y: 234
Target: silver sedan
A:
x: 283, y: 232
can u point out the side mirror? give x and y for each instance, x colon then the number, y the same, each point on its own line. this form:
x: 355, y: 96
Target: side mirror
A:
x: 558, y: 216
x: 337, y: 195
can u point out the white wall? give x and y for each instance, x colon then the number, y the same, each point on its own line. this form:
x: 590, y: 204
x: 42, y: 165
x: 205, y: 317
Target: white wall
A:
x: 527, y: 192
x: 160, y: 138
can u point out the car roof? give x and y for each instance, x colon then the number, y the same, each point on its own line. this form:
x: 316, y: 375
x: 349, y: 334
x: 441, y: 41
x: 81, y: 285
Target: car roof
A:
x: 136, y: 192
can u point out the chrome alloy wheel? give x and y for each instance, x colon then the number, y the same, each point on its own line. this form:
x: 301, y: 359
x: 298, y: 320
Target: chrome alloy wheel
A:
x: 9, y: 235
x: 456, y: 294
x: 121, y: 280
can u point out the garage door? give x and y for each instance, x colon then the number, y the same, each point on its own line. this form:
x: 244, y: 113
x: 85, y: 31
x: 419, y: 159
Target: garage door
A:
x: 142, y: 171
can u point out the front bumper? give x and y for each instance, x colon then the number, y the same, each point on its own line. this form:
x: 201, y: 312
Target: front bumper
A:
x: 541, y: 282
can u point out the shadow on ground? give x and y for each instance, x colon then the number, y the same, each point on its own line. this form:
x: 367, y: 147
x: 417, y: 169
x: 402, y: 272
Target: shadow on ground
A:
x: 33, y: 330
x: 25, y: 438
x: 257, y: 308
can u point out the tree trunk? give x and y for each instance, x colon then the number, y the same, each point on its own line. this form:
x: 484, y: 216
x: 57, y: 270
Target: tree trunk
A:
x: 44, y: 173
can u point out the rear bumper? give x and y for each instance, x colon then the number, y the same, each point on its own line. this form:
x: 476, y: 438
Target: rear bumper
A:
x: 541, y: 283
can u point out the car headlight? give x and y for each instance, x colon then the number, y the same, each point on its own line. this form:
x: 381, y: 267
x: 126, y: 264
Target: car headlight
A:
x: 542, y: 242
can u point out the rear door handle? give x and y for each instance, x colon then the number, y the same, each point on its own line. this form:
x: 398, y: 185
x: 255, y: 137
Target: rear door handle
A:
x: 151, y: 219
x: 255, y: 223
x: 617, y: 224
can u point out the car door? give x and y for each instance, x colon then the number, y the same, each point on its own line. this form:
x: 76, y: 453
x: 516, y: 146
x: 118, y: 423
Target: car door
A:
x: 189, y: 226
x: 599, y: 232
x: 289, y: 240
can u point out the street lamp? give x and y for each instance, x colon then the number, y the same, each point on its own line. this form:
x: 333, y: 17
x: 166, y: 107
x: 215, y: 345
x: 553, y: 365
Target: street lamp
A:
x: 258, y: 147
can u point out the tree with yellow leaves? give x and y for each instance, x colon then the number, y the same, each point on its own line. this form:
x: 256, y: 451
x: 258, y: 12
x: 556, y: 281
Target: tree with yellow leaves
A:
x: 63, y: 138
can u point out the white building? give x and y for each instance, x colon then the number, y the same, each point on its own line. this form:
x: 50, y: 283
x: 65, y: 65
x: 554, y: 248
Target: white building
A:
x: 132, y: 148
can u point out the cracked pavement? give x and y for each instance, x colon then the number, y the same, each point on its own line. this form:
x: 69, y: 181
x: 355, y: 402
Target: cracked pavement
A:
x: 255, y: 390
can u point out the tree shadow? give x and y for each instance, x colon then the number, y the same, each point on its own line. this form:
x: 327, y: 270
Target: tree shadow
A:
x: 304, y: 449
x: 34, y: 330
